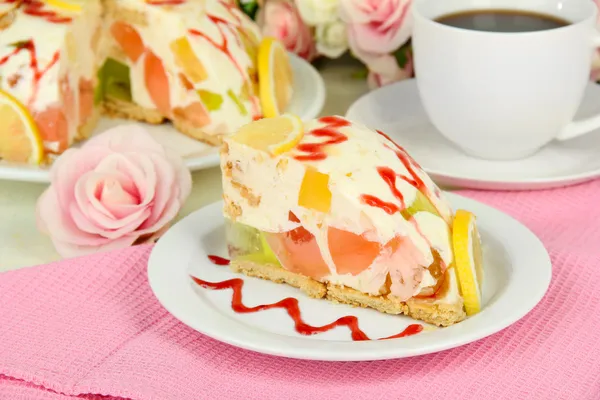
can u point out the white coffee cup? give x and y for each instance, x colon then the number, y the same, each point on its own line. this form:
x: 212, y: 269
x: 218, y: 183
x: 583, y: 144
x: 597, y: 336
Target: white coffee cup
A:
x: 503, y: 96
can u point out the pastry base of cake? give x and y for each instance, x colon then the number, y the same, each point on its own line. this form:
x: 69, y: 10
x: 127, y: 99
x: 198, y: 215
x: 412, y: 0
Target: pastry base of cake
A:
x: 436, y: 313
x: 114, y: 108
x: 188, y: 129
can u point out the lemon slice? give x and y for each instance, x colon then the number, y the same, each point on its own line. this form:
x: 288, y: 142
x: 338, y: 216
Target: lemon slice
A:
x: 468, y: 260
x: 274, y: 76
x: 273, y: 135
x: 20, y: 139
x: 66, y: 5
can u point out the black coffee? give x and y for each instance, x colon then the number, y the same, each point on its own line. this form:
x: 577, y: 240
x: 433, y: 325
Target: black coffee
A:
x: 502, y: 21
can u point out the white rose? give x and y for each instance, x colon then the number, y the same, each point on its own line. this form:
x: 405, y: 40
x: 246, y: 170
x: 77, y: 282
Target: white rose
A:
x: 315, y: 12
x: 332, y: 39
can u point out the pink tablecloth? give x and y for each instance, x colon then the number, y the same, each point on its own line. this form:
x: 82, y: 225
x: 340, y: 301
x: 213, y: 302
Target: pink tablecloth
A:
x: 91, y: 326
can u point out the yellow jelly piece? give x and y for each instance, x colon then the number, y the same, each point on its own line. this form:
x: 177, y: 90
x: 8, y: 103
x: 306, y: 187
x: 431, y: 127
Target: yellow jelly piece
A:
x: 314, y: 191
x: 187, y: 60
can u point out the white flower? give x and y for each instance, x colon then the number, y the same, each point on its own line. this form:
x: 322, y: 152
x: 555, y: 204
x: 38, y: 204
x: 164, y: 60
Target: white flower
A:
x: 315, y: 12
x: 332, y: 39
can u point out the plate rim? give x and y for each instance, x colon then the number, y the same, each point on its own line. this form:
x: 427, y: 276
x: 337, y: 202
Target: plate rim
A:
x: 32, y: 174
x: 274, y: 344
x: 566, y: 179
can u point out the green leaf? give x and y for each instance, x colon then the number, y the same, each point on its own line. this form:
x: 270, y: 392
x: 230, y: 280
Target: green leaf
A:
x: 249, y: 7
x: 403, y: 54
x: 360, y: 74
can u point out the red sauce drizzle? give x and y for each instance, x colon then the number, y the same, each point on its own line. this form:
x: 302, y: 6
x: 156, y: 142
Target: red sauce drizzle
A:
x: 389, y: 176
x: 290, y: 304
x: 36, y: 9
x: 374, y: 201
x: 38, y: 73
x: 316, y: 151
x: 218, y: 260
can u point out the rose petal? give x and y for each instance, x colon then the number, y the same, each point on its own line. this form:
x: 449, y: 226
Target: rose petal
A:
x: 165, y: 181
x: 128, y: 165
x: 59, y: 225
x: 180, y: 189
x: 67, y: 169
x: 89, y: 219
x: 124, y: 138
x: 125, y: 226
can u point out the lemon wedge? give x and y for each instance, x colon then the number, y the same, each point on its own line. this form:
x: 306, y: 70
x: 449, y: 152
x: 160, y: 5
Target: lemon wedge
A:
x: 273, y: 135
x: 468, y: 259
x: 275, y: 77
x: 66, y: 5
x: 20, y: 139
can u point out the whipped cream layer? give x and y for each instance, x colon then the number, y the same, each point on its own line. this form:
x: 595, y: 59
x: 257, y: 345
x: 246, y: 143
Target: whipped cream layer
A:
x: 48, y: 61
x: 377, y: 192
x: 222, y: 39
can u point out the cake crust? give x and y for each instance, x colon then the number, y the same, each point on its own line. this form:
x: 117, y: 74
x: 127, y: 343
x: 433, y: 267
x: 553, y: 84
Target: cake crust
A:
x: 114, y: 108
x: 436, y: 313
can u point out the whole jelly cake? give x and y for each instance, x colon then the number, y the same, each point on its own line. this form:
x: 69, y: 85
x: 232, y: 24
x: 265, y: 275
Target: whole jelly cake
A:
x: 342, y: 212
x: 201, y: 64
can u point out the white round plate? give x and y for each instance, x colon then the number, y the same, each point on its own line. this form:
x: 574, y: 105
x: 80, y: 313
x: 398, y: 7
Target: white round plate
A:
x: 397, y: 110
x: 517, y: 274
x: 307, y: 102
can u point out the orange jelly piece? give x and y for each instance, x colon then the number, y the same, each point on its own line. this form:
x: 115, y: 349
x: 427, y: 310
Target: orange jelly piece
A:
x: 54, y: 128
x: 351, y: 253
x: 157, y: 83
x: 314, y: 191
x: 129, y: 39
x: 86, y: 100
x: 194, y: 113
x: 298, y: 251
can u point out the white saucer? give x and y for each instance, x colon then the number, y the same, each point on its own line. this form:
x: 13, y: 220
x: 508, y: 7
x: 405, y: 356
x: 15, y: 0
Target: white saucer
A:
x: 397, y: 110
x: 307, y: 102
x: 517, y: 274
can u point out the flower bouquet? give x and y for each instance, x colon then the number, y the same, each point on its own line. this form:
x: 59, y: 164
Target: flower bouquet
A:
x: 377, y: 32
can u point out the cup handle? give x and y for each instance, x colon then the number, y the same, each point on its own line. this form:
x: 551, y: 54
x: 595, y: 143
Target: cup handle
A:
x: 581, y: 127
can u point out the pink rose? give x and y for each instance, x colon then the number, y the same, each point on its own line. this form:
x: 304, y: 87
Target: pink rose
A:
x: 377, y: 28
x: 385, y: 70
x: 119, y: 188
x: 281, y: 19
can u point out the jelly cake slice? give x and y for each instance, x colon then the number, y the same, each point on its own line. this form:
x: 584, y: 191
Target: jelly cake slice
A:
x: 343, y: 213
x: 49, y: 57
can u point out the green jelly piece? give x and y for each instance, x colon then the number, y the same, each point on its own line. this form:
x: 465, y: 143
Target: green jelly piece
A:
x: 421, y: 203
x: 249, y: 244
x: 116, y: 83
x: 211, y: 100
x: 99, y: 89
x: 237, y: 102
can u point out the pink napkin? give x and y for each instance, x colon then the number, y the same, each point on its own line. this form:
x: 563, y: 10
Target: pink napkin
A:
x: 91, y: 326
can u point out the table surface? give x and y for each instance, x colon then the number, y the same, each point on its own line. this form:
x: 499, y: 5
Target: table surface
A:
x: 22, y: 245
